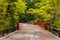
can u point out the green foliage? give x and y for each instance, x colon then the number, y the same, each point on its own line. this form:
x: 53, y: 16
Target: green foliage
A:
x: 3, y: 8
x: 13, y: 0
x: 46, y: 5
x: 13, y: 11
x: 20, y: 6
x: 26, y: 17
x: 10, y: 11
x: 40, y: 14
x: 43, y: 10
x: 57, y: 23
x: 30, y: 4
x: 46, y: 8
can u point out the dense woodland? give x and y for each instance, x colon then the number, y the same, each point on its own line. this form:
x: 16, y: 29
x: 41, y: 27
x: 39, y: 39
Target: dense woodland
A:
x: 14, y: 11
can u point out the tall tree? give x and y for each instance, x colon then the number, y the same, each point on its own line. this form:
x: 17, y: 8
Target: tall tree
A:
x: 15, y: 9
x: 3, y: 8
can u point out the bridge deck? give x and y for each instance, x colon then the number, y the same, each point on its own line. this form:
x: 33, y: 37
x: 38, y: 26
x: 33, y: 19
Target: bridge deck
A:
x: 31, y: 32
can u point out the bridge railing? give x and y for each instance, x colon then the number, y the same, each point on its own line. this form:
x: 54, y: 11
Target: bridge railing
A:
x: 49, y: 28
x: 6, y: 31
x: 53, y: 30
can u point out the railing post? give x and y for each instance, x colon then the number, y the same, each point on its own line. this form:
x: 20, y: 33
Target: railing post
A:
x: 59, y: 33
x: 3, y: 32
x: 18, y: 26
